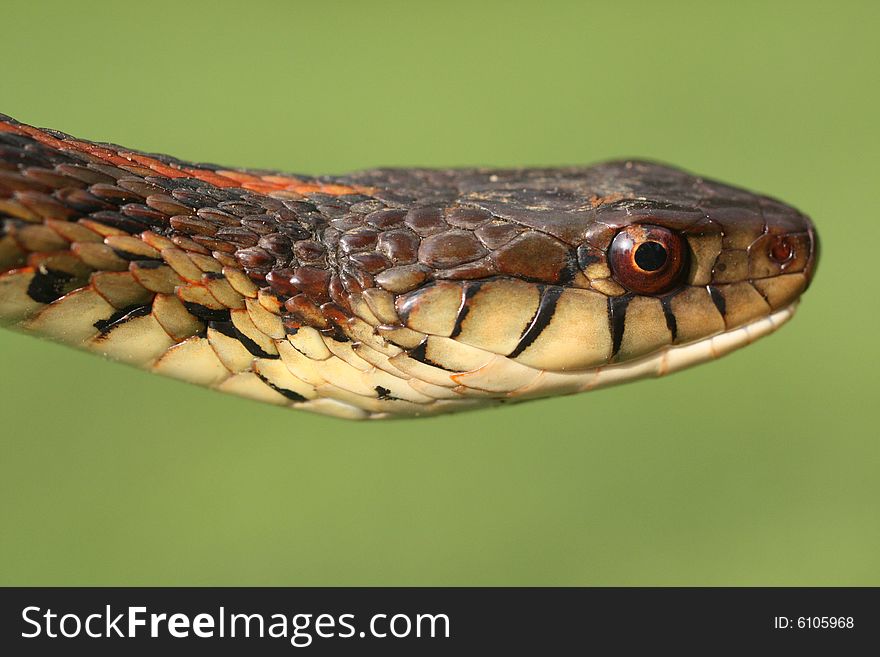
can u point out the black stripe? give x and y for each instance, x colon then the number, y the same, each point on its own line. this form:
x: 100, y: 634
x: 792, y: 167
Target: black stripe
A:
x: 420, y: 353
x: 226, y: 328
x: 617, y: 318
x: 48, y: 285
x: 229, y: 330
x: 122, y: 316
x: 540, y: 321
x: 140, y: 263
x: 117, y: 220
x: 469, y: 291
x: 205, y: 313
x: 290, y: 394
x: 568, y: 272
x: 135, y: 257
x: 671, y: 323
x: 718, y: 299
x: 384, y: 393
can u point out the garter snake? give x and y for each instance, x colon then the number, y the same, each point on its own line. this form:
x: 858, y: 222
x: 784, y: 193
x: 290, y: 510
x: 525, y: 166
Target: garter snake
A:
x: 388, y: 292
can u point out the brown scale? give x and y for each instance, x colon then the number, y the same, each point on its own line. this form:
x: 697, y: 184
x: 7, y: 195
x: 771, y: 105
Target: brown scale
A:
x: 426, y: 221
x: 359, y: 240
x: 373, y: 263
x: 496, y: 234
x: 399, y: 246
x: 450, y: 249
x: 386, y: 218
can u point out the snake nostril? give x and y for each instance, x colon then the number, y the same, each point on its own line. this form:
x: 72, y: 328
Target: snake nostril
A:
x: 781, y: 249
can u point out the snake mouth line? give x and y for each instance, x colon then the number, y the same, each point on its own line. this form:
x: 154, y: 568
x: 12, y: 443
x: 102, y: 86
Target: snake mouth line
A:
x: 668, y: 360
x: 679, y: 357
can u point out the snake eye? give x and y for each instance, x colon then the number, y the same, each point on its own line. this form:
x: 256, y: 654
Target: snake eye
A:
x: 647, y: 259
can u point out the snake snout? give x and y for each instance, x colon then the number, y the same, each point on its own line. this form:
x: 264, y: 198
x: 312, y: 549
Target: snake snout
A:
x: 813, y: 260
x: 782, y: 260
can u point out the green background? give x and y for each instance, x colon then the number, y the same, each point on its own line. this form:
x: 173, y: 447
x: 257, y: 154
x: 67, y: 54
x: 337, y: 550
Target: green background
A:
x: 762, y: 468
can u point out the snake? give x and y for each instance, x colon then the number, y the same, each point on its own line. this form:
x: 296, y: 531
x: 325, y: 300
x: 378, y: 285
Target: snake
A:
x: 390, y: 292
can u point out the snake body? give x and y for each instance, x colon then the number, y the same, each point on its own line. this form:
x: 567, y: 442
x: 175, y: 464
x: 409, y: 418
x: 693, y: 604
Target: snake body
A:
x: 388, y: 292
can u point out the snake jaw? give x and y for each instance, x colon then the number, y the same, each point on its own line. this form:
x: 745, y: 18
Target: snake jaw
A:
x: 678, y: 357
x: 544, y: 383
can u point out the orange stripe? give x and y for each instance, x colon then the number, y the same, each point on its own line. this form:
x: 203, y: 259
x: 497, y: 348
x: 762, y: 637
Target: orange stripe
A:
x: 49, y: 140
x: 262, y: 187
x: 304, y: 188
x: 85, y: 147
x: 41, y: 136
x: 136, y: 169
x: 210, y: 177
x: 337, y: 190
x: 157, y: 166
x: 238, y: 176
x: 283, y: 181
x: 8, y: 127
x: 222, y: 178
x: 168, y: 171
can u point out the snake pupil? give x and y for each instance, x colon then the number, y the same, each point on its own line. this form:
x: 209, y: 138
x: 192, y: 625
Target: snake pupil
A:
x: 650, y: 256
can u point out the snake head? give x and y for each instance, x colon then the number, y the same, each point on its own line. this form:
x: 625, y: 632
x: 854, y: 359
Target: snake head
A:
x: 602, y: 275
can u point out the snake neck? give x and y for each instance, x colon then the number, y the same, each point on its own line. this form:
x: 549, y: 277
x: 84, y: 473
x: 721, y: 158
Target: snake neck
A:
x: 319, y: 259
x: 296, y: 257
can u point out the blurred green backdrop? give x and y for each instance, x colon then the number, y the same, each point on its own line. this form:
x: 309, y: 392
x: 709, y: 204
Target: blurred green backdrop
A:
x: 763, y: 468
